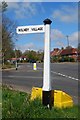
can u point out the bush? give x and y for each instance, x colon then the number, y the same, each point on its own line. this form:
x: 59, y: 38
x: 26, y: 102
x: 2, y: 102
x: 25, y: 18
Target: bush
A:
x: 66, y: 59
x: 54, y: 59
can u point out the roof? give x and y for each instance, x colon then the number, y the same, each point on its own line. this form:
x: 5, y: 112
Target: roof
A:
x: 13, y: 58
x: 23, y: 57
x: 55, y: 52
x: 69, y: 51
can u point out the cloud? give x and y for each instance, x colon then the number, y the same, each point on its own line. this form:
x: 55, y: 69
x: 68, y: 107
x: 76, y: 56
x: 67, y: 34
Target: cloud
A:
x: 29, y: 46
x: 60, y: 44
x: 41, y: 7
x: 73, y: 39
x: 56, y: 34
x: 60, y: 39
x: 66, y: 14
x: 14, y: 5
x: 25, y: 46
x: 22, y: 9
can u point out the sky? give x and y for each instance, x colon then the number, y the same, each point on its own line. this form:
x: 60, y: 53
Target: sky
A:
x: 64, y: 17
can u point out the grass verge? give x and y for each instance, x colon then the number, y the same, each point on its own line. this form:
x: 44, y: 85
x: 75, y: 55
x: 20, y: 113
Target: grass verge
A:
x: 6, y: 66
x: 18, y: 105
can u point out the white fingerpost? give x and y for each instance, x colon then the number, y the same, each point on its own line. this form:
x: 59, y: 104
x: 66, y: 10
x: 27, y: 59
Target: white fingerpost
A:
x: 46, y: 96
x: 46, y: 99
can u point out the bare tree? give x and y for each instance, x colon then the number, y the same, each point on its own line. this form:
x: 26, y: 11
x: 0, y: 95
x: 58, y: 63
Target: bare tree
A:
x: 8, y: 34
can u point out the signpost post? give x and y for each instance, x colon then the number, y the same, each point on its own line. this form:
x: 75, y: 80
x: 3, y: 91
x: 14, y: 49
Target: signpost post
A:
x: 46, y: 98
x: 46, y: 93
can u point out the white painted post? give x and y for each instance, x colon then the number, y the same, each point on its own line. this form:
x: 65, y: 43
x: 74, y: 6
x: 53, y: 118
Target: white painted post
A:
x: 34, y: 66
x: 46, y: 99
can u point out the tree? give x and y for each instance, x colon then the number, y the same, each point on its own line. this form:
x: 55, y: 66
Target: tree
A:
x: 33, y: 55
x: 18, y: 53
x: 62, y: 48
x: 8, y: 34
x: 4, y: 6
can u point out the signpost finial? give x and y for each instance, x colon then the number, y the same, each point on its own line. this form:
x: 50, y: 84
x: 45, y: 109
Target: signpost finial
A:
x: 47, y: 21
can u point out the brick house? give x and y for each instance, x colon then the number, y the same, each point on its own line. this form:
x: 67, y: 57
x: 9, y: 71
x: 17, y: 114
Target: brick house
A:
x: 69, y: 52
x: 55, y: 52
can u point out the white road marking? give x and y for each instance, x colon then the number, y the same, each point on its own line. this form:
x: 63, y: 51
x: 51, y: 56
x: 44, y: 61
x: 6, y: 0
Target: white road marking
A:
x: 39, y: 68
x: 57, y: 73
x: 65, y: 75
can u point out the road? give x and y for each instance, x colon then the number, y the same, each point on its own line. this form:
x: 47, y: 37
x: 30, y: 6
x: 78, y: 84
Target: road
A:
x: 64, y: 76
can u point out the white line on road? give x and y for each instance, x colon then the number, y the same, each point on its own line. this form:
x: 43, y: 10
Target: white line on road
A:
x: 64, y: 75
x: 57, y: 73
x: 67, y: 76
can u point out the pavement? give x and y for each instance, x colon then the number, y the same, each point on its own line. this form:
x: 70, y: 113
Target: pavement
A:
x: 64, y: 76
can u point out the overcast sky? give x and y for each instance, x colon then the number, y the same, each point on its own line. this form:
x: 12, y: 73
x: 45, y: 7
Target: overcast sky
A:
x: 64, y: 16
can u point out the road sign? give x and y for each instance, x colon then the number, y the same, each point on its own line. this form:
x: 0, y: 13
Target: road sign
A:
x: 30, y: 29
x: 47, y: 90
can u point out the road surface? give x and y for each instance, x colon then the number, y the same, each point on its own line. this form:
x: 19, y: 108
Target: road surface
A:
x: 64, y: 76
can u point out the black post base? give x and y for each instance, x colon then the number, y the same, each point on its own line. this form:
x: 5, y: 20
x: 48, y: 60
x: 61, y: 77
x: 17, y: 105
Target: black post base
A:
x: 16, y: 68
x: 47, y: 99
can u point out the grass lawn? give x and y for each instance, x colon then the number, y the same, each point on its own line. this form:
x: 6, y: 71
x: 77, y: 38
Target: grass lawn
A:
x: 18, y: 105
x: 6, y: 66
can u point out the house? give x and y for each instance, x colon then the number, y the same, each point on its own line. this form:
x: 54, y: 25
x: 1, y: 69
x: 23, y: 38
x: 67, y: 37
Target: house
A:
x: 12, y: 60
x: 23, y: 58
x: 69, y: 52
x: 55, y: 52
x: 78, y: 56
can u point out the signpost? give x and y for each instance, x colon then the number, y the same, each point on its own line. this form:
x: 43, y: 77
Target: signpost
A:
x: 30, y: 29
x: 46, y: 99
x: 46, y: 96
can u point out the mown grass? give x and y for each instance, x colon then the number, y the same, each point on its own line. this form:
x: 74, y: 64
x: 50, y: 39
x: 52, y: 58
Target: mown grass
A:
x: 6, y: 66
x: 18, y: 105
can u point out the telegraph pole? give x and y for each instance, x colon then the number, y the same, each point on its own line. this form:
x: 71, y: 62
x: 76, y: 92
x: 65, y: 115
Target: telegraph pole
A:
x: 67, y: 40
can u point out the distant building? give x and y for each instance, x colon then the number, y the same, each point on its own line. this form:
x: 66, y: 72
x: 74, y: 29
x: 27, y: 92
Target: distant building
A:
x: 70, y: 52
x: 23, y: 58
x: 55, y: 52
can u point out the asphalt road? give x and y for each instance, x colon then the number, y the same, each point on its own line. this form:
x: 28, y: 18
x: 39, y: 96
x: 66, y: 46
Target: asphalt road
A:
x: 64, y: 77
